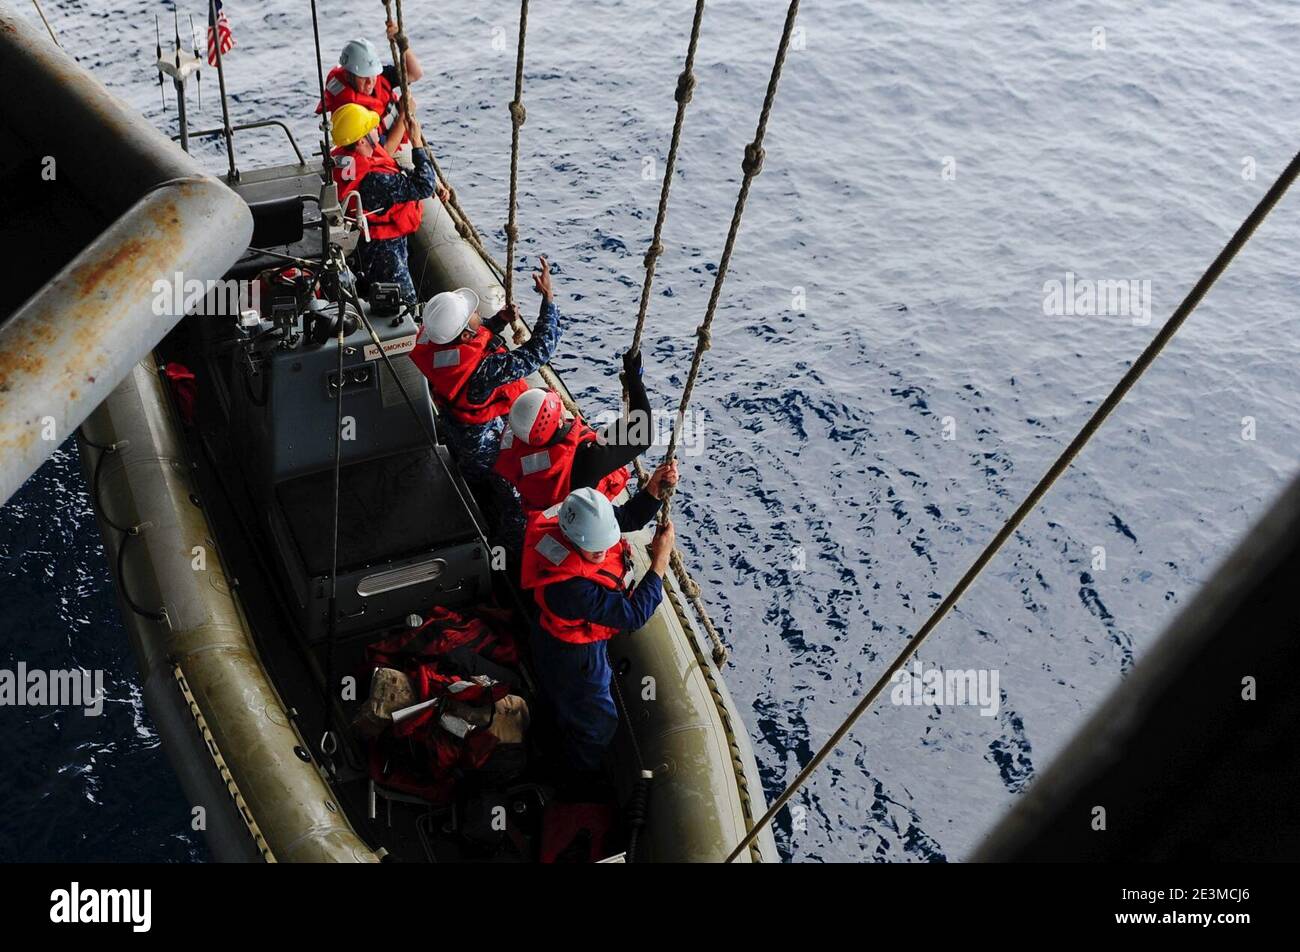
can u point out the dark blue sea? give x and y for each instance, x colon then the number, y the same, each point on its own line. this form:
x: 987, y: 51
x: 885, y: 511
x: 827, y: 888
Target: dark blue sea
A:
x: 886, y: 381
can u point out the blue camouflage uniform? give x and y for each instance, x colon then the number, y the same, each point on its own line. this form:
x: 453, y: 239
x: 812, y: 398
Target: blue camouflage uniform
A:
x: 476, y: 444
x: 576, y: 677
x: 386, y: 259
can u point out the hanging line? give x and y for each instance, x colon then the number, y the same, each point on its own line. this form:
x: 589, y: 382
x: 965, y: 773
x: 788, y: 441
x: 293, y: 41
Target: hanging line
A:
x: 1121, y: 389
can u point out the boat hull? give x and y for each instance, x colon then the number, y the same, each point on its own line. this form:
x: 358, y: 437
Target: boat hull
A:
x: 684, y: 725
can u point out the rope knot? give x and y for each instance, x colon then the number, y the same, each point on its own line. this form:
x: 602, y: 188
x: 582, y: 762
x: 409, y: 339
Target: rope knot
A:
x: 653, y: 252
x: 753, y: 163
x: 518, y: 113
x: 512, y: 232
x: 685, y: 87
x: 706, y: 337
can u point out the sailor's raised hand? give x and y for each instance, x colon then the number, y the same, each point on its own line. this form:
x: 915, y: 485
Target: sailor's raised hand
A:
x: 390, y: 28
x: 542, y: 279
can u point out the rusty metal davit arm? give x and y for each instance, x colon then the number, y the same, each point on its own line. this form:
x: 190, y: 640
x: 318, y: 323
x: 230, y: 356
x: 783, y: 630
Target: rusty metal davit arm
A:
x: 65, y: 350
x: 66, y: 347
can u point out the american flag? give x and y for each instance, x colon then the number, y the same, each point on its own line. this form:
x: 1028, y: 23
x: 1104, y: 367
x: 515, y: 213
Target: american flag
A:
x: 220, y: 28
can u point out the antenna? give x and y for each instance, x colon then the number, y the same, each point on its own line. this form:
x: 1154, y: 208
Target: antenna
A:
x: 198, y: 73
x: 324, y: 113
x: 180, y: 85
x: 179, y: 66
x: 329, y: 193
x: 157, y: 52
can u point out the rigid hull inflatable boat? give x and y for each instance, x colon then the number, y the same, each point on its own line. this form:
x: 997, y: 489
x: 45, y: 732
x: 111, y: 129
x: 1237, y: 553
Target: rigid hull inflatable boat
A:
x: 211, y: 469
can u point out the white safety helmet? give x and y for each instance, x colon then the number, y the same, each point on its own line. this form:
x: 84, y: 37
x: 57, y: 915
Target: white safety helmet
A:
x: 587, y: 520
x: 360, y: 59
x: 446, y: 314
x: 535, y: 415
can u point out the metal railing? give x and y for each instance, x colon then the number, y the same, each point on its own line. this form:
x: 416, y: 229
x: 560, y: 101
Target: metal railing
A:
x: 243, y: 127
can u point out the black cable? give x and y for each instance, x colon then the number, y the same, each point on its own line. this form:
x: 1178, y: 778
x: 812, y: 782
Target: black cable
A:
x: 126, y: 531
x: 253, y: 543
x: 94, y: 490
x: 121, y: 583
x: 638, y: 812
x: 431, y: 435
x: 332, y: 628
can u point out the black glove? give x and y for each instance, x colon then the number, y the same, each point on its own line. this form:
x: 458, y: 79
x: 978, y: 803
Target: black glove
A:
x: 632, y: 363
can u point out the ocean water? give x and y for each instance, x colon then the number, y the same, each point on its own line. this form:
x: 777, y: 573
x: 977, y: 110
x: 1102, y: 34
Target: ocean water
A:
x: 886, y: 382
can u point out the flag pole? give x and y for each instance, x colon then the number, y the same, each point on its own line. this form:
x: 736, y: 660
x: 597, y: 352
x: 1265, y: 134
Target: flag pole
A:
x: 221, y: 80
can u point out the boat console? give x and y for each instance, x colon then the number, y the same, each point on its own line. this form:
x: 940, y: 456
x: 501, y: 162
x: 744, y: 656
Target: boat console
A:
x: 405, y: 540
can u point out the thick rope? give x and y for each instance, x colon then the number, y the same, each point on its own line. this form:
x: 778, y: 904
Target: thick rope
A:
x: 517, y: 117
x: 751, y: 166
x: 685, y: 89
x: 683, y: 94
x: 1113, y: 399
x: 399, y: 44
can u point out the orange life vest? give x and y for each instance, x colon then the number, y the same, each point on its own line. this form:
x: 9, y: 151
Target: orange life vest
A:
x: 550, y: 558
x: 542, y: 474
x: 449, y: 368
x: 351, y: 167
x: 382, y: 101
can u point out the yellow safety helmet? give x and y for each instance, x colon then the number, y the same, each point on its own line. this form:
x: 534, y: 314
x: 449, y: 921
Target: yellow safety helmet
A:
x: 350, y: 122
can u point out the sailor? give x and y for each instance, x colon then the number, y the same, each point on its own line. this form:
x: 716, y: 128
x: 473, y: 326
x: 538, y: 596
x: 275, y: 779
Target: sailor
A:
x: 579, y: 568
x: 545, y: 453
x: 361, y: 78
x: 391, y: 196
x: 473, y: 376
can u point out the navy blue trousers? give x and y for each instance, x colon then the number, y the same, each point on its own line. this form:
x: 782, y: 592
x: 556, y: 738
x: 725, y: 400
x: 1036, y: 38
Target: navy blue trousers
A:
x: 576, y: 680
x: 385, y: 260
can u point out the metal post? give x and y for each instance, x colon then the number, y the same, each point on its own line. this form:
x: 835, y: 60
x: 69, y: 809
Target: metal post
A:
x: 225, y: 106
x: 180, y: 100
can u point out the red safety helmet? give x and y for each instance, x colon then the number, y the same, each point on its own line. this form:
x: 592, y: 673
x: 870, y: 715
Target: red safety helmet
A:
x: 535, y: 415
